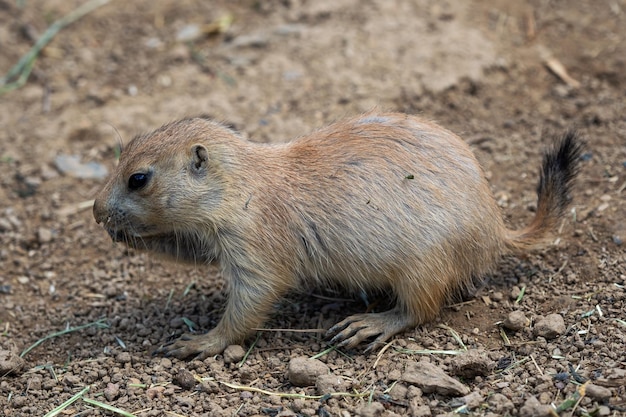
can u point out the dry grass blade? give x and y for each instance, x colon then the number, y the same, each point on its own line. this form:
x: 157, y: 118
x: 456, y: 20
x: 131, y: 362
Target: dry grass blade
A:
x: 75, y: 208
x: 559, y: 70
x: 505, y: 338
x: 382, y: 351
x: 99, y: 323
x: 454, y: 334
x: 108, y: 407
x: 67, y: 403
x: 515, y: 365
x: 290, y: 395
x: 18, y: 75
x: 429, y: 352
x: 245, y: 357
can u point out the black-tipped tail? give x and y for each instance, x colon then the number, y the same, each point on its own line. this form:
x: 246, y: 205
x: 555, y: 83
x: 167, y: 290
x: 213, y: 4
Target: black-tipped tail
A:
x: 559, y: 169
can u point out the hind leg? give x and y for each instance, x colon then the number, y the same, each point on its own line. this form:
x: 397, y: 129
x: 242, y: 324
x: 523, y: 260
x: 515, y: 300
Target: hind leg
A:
x: 415, y: 305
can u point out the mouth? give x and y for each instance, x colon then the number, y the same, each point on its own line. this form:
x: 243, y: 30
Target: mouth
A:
x: 119, y: 235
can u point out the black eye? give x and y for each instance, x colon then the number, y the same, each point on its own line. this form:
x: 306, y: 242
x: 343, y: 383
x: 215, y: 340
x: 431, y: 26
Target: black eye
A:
x: 137, y: 181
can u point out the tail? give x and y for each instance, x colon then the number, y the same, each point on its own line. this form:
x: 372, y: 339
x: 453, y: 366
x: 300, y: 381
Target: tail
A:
x: 558, y: 171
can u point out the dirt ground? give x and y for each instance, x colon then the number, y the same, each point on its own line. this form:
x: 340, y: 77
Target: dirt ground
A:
x: 276, y: 70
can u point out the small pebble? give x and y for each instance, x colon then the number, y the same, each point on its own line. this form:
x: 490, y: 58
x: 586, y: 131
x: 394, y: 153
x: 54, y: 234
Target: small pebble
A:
x: 34, y: 383
x: 515, y: 291
x: 473, y: 400
x: 597, y: 392
x: 123, y: 357
x: 185, y: 379
x: 303, y: 371
x: 516, y: 320
x: 500, y: 403
x: 374, y: 409
x: 550, y: 326
x: 432, y: 379
x: 10, y: 363
x: 72, y: 166
x: 44, y: 235
x: 72, y: 380
x: 533, y: 408
x: 472, y: 363
x: 327, y: 383
x: 234, y: 353
x: 112, y: 391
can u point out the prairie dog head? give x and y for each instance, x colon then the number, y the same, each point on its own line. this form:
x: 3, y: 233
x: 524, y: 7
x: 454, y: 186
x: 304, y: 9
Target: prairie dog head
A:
x: 166, y: 184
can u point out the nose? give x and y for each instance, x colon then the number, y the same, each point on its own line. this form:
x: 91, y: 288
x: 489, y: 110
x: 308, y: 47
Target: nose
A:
x: 99, y: 210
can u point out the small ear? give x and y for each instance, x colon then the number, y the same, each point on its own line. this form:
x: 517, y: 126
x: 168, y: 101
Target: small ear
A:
x: 200, y: 156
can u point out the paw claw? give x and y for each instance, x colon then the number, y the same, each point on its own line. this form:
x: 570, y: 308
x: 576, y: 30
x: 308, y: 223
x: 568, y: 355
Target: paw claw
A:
x: 358, y: 328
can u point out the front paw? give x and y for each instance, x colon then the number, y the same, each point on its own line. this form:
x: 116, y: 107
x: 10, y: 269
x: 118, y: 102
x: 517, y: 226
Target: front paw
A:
x: 200, y: 346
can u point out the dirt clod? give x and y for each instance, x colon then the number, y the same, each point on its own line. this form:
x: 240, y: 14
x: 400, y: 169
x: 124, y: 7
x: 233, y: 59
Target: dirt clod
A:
x: 10, y: 363
x: 473, y: 400
x: 431, y: 379
x: 533, y: 408
x: 303, y: 371
x: 371, y: 410
x: 472, y: 363
x: 516, y: 320
x: 233, y: 354
x: 327, y: 383
x: 112, y: 391
x: 500, y: 403
x: 185, y: 379
x: 597, y: 392
x: 550, y: 326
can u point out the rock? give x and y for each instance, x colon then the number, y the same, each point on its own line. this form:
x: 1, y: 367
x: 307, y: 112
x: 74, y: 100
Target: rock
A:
x: 598, y: 393
x: 72, y: 380
x: 189, y: 33
x: 166, y: 363
x: 10, y: 363
x: 112, y: 391
x: 303, y: 371
x: 234, y: 353
x: 399, y: 391
x: 327, y: 383
x: 533, y: 408
x: 473, y: 400
x: 253, y: 41
x: 472, y: 363
x: 44, y: 235
x: 500, y: 403
x: 603, y: 411
x: 123, y: 357
x: 34, y: 383
x: 72, y: 166
x: 155, y: 392
x: 431, y: 379
x: 516, y: 320
x: 419, y: 410
x: 515, y: 292
x: 550, y: 326
x: 185, y: 379
x: 371, y: 410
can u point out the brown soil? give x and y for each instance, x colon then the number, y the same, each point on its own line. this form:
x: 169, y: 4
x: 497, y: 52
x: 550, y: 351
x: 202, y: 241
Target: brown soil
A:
x: 281, y: 69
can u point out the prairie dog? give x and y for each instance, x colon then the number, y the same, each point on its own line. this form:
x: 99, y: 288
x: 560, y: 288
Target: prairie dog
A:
x: 379, y: 201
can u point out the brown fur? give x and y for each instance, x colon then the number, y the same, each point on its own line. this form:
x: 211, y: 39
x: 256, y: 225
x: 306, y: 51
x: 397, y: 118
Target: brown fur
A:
x: 379, y: 201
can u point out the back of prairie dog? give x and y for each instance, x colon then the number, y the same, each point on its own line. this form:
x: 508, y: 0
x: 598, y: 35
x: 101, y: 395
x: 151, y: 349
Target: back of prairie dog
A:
x: 378, y: 201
